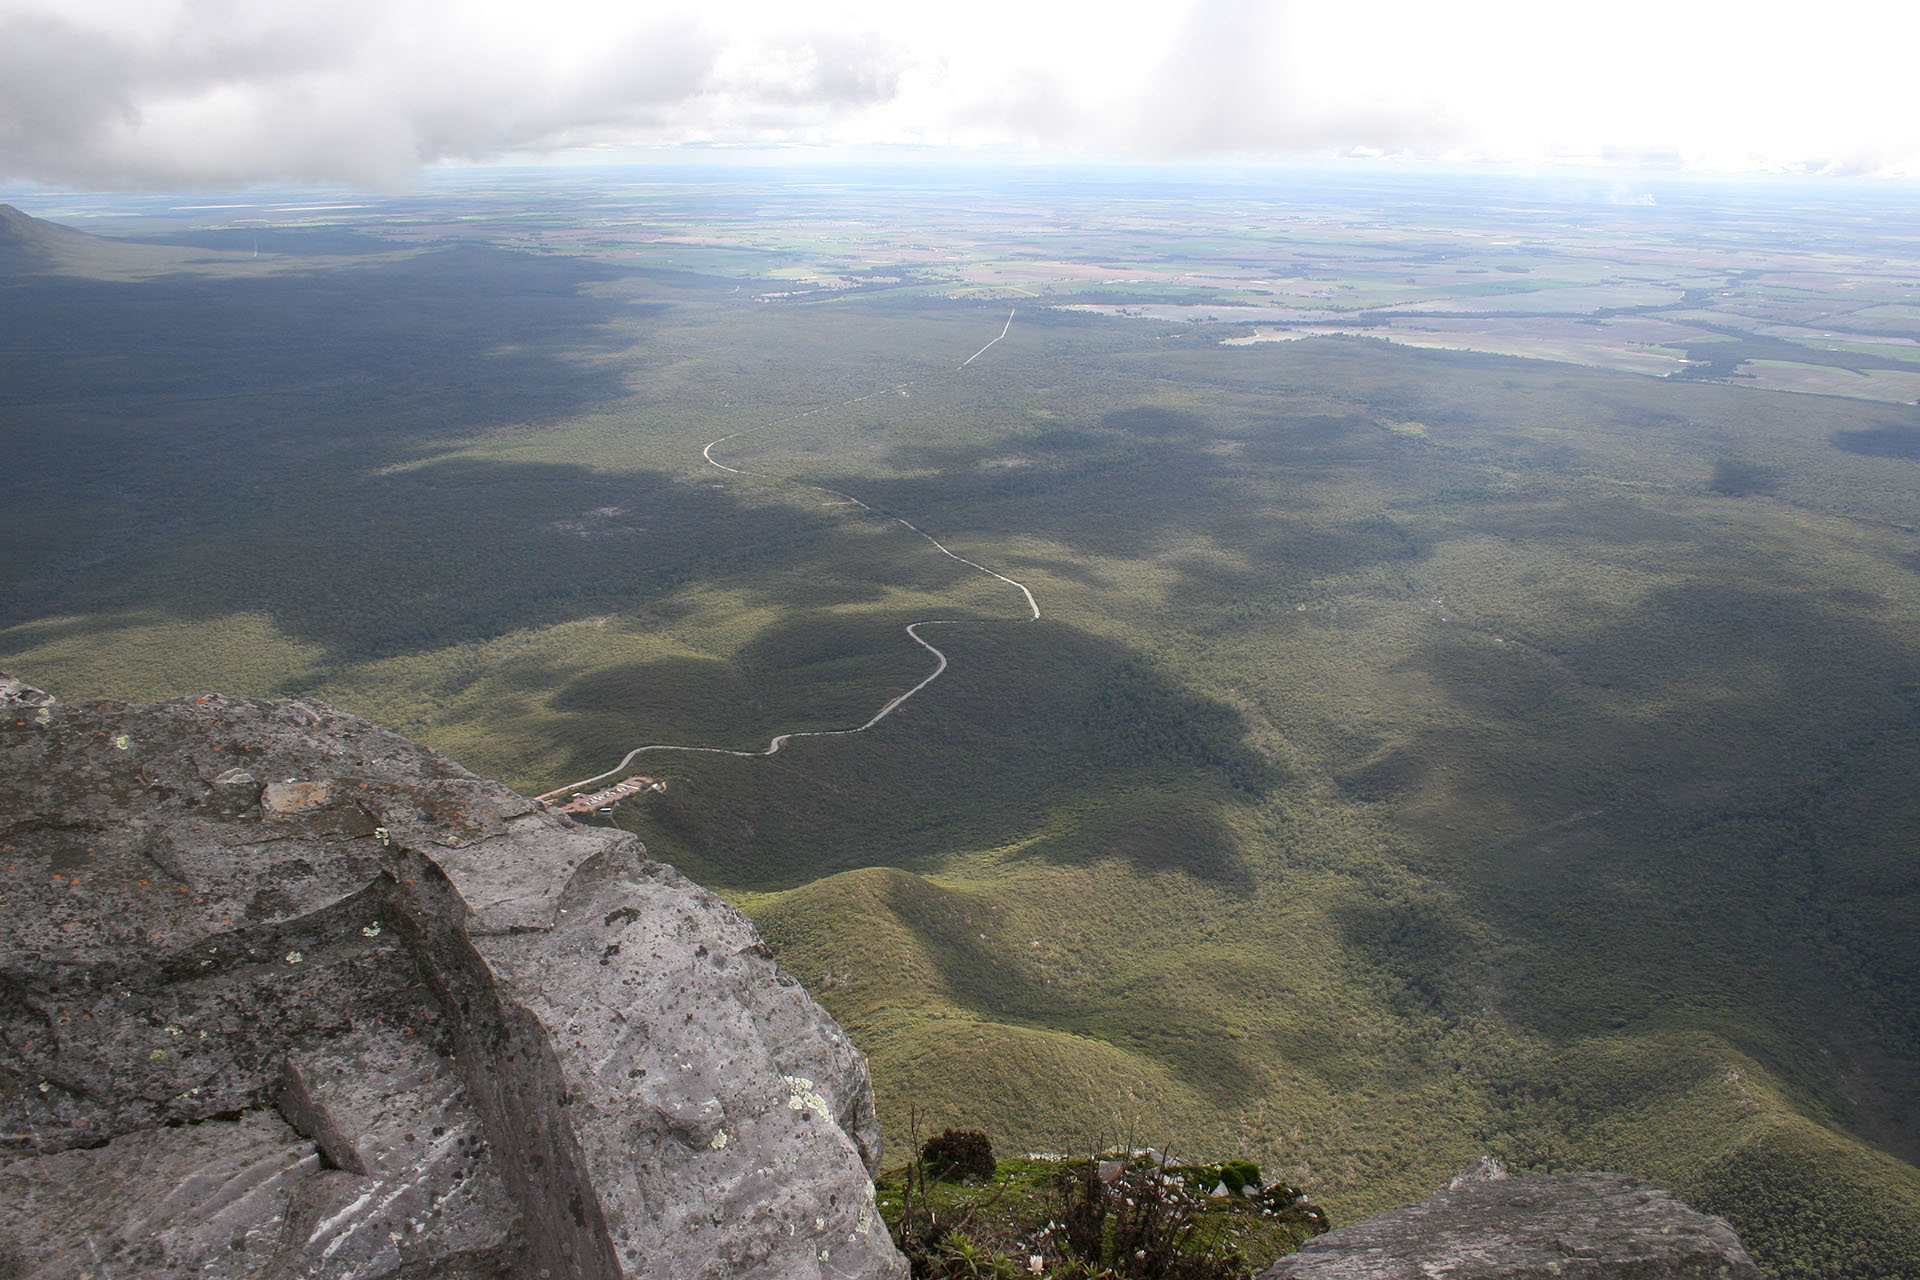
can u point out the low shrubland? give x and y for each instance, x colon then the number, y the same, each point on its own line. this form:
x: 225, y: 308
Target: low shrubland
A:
x: 1121, y: 1214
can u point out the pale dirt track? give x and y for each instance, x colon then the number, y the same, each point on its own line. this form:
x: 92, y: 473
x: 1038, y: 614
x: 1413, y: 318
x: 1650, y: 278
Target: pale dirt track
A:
x: 912, y: 628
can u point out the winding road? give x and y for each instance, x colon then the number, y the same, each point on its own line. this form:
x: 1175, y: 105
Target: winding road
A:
x: 912, y: 628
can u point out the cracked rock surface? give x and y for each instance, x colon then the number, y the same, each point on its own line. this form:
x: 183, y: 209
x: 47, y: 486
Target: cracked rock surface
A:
x: 1569, y: 1226
x: 285, y: 995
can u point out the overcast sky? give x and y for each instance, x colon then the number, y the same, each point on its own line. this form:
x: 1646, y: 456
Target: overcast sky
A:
x: 206, y: 93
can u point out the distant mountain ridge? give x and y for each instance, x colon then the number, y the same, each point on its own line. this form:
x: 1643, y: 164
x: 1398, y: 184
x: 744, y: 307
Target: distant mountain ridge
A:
x: 25, y: 239
x: 36, y: 246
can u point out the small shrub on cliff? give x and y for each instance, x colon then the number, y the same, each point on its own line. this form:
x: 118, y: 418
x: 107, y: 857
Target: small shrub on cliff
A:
x: 1139, y: 1224
x: 937, y: 1242
x: 1118, y: 1215
x: 958, y: 1155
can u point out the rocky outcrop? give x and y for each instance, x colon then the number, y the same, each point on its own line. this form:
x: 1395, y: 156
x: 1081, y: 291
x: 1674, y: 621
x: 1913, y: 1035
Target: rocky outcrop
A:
x: 1570, y: 1226
x: 285, y: 995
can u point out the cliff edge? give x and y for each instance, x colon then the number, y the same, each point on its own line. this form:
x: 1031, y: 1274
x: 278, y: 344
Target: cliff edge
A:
x: 1484, y: 1225
x: 283, y: 994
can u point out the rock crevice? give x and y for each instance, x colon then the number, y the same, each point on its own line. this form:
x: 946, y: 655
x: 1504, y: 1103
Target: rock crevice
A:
x: 512, y: 1076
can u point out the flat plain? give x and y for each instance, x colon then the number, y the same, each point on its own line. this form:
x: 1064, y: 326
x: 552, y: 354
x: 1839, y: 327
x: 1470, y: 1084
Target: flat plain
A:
x: 1476, y: 715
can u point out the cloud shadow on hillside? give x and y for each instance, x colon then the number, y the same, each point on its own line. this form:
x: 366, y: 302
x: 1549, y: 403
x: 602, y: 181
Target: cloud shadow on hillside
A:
x: 183, y: 418
x: 1891, y: 441
x: 1657, y: 864
x: 1029, y: 718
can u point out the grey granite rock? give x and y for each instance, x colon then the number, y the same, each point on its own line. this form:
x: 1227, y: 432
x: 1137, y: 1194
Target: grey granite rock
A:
x: 1486, y: 1226
x: 285, y: 995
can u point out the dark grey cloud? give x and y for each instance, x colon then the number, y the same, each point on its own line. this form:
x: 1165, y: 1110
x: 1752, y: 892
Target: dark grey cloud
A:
x: 77, y: 96
x: 214, y: 92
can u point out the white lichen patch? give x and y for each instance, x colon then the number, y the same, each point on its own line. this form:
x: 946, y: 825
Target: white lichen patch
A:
x: 720, y: 1140
x: 294, y: 957
x: 801, y: 1096
x: 371, y: 931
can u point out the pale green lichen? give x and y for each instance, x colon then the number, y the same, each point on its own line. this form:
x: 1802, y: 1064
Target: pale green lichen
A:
x: 801, y: 1096
x: 122, y: 741
x: 294, y: 957
x: 45, y: 717
x: 719, y: 1140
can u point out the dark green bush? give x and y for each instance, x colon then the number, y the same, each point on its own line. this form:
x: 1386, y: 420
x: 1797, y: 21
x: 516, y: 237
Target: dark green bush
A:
x: 958, y: 1155
x: 1240, y: 1176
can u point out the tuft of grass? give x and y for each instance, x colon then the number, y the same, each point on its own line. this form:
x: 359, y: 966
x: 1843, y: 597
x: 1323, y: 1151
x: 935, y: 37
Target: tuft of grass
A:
x: 1123, y: 1214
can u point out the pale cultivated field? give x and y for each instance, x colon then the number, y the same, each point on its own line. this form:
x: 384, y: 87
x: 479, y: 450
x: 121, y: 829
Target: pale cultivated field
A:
x: 1633, y: 345
x: 1202, y: 312
x: 1577, y: 300
x: 1891, y: 347
x: 1894, y: 385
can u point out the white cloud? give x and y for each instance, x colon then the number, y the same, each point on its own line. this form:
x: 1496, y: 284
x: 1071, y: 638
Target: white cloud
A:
x: 215, y: 92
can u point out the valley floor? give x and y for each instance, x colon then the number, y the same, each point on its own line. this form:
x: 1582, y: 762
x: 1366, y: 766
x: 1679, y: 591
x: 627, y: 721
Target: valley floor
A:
x: 1424, y: 753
